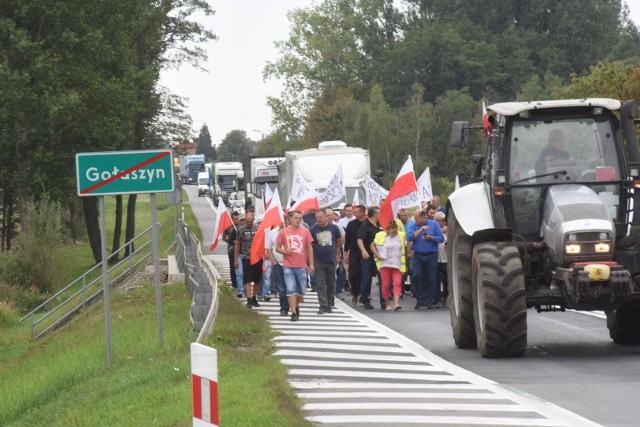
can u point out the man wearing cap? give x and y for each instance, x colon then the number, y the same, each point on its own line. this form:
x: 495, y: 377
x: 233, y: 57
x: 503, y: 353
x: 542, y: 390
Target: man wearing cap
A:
x: 441, y: 296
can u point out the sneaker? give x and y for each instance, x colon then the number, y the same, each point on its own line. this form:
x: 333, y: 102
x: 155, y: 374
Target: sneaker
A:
x: 294, y: 317
x: 398, y: 307
x: 284, y: 312
x: 418, y: 306
x: 238, y: 295
x: 321, y: 311
x: 430, y: 306
x: 249, y: 304
x: 388, y: 308
x: 267, y: 298
x: 254, y: 302
x: 438, y: 304
x: 368, y: 306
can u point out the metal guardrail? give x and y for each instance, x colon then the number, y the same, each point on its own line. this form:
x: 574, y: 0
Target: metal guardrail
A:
x: 86, y: 289
x: 200, y: 280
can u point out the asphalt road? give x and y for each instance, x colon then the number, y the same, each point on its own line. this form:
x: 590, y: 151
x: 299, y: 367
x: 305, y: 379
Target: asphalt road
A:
x: 570, y: 360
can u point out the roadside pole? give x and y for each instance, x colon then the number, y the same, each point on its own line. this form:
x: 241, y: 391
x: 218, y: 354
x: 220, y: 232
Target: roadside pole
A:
x: 156, y: 266
x: 105, y: 278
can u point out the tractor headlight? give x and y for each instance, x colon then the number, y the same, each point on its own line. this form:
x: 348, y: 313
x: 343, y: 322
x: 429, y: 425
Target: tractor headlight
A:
x: 587, y: 244
x: 572, y: 249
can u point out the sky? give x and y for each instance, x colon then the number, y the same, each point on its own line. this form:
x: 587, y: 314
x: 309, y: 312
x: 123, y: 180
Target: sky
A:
x: 233, y: 94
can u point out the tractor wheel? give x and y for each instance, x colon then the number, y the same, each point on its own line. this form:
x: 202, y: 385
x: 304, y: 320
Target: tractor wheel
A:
x: 624, y: 324
x: 459, y: 272
x: 499, y: 299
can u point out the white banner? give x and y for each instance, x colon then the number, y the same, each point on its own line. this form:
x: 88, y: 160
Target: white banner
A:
x: 335, y: 190
x: 374, y: 192
x: 301, y: 189
x: 408, y: 201
x: 424, y: 186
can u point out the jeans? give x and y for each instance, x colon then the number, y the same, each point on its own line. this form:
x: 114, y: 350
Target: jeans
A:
x: 295, y: 280
x: 425, y: 266
x: 341, y: 278
x: 312, y: 281
x: 240, y: 276
x: 265, y: 285
x: 277, y: 279
x: 366, y: 273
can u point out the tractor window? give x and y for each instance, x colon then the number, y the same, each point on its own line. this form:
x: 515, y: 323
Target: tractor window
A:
x: 565, y: 151
x: 584, y: 148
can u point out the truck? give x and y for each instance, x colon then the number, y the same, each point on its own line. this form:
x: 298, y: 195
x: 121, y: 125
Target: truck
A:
x: 190, y: 167
x: 260, y: 172
x: 548, y: 222
x: 318, y: 165
x: 229, y: 177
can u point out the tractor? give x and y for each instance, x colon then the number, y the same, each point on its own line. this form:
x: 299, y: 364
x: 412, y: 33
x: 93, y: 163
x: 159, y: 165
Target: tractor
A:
x: 547, y: 222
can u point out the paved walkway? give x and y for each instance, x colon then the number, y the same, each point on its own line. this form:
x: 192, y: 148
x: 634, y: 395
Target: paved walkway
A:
x: 350, y: 370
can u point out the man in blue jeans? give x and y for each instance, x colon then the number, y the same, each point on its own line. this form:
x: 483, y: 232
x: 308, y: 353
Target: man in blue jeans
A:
x: 425, y: 235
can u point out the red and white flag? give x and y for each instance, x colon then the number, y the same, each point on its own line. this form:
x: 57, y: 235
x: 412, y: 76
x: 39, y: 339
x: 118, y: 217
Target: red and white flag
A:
x: 223, y: 221
x: 404, y: 184
x: 304, y: 195
x: 486, y: 126
x: 356, y: 199
x: 272, y: 217
x: 268, y: 195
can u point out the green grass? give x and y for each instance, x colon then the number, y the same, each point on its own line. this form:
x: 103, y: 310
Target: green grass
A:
x: 62, y: 379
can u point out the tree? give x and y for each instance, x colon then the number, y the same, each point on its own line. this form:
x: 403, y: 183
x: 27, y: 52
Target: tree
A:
x: 205, y: 145
x: 235, y: 147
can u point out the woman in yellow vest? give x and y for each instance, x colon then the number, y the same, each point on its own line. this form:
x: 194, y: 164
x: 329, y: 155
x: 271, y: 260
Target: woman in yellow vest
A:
x: 389, y: 250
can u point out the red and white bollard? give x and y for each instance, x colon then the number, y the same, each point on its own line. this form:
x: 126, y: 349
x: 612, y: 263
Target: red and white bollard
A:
x: 204, y: 377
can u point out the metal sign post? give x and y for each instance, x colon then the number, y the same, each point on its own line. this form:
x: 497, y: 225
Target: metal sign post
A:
x: 126, y: 172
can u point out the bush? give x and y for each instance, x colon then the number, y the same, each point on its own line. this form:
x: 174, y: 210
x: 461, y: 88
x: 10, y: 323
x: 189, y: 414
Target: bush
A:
x: 37, y: 260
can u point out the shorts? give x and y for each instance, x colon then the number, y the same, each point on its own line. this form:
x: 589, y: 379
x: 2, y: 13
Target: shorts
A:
x: 252, y: 272
x: 295, y: 280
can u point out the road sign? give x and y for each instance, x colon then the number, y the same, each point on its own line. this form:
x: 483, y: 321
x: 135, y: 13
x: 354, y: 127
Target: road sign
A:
x: 124, y: 172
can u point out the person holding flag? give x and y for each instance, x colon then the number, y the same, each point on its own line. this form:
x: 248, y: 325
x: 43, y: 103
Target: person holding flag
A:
x: 294, y: 242
x: 252, y: 271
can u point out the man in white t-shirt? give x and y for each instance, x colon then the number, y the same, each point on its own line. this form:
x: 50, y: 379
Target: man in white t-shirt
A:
x: 348, y: 216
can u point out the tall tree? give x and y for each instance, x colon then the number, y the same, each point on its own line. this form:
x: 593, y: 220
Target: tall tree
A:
x: 205, y: 145
x: 235, y: 147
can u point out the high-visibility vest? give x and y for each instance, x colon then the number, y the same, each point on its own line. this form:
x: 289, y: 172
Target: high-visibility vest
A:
x: 379, y: 241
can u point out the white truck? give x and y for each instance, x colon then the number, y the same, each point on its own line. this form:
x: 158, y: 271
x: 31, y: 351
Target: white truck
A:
x: 230, y: 179
x: 318, y: 165
x: 260, y: 172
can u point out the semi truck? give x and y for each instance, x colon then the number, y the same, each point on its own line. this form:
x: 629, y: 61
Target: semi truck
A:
x: 190, y: 167
x: 318, y: 165
x: 229, y: 177
x: 260, y: 172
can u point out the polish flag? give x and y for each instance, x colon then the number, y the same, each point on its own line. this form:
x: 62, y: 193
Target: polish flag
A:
x: 223, y: 221
x: 268, y: 195
x: 486, y: 126
x: 272, y: 217
x: 356, y: 199
x: 404, y: 184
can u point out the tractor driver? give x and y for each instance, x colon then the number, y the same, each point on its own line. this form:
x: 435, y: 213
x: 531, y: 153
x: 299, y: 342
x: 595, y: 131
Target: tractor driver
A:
x: 555, y: 148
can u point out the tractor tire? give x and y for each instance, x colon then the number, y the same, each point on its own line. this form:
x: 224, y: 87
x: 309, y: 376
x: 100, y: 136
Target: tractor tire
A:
x: 499, y: 299
x: 459, y: 272
x: 624, y: 324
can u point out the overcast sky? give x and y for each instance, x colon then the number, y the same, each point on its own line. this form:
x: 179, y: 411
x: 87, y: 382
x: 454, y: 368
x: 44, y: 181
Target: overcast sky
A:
x: 232, y: 95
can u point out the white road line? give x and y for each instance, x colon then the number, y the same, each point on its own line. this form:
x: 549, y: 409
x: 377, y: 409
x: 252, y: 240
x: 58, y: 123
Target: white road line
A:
x: 372, y: 374
x: 416, y: 406
x: 372, y: 385
x: 360, y: 365
x: 400, y: 395
x: 333, y: 339
x: 346, y: 356
x: 368, y: 348
x: 435, y: 420
x: 330, y: 333
x: 310, y: 327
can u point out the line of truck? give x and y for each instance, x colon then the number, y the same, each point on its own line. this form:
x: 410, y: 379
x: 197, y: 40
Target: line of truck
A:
x: 316, y: 165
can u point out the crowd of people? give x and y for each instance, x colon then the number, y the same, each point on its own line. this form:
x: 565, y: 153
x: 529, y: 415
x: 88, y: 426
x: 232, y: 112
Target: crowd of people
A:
x: 332, y: 251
